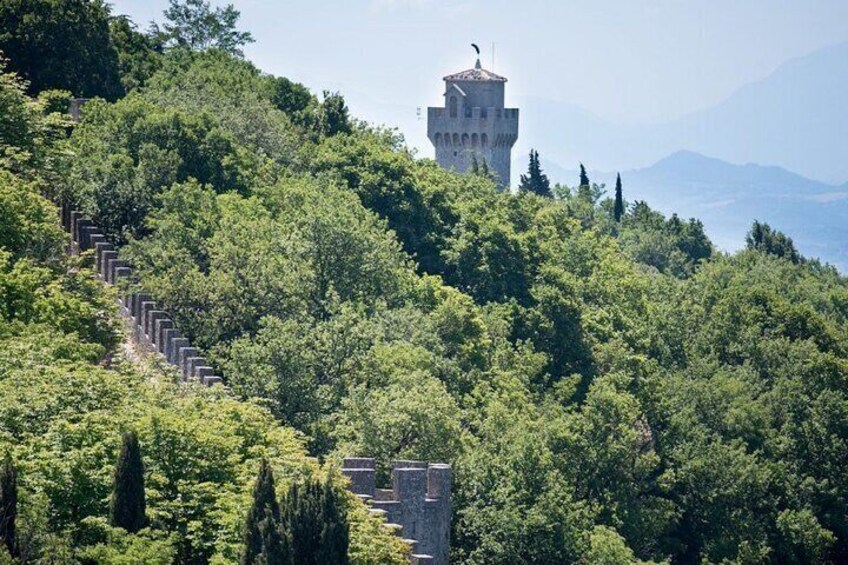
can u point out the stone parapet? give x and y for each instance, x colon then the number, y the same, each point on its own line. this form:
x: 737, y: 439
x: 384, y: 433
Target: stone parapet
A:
x: 152, y: 329
x: 417, y: 507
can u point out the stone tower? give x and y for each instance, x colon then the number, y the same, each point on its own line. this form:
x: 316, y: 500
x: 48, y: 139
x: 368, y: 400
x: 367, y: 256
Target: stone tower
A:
x: 474, y: 123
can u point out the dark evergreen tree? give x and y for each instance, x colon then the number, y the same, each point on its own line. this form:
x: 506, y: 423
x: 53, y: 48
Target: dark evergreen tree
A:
x: 475, y: 166
x: 8, y: 505
x: 127, y: 509
x: 265, y: 542
x: 584, y: 178
x: 315, y: 517
x: 535, y: 180
x: 335, y: 536
x: 618, y: 208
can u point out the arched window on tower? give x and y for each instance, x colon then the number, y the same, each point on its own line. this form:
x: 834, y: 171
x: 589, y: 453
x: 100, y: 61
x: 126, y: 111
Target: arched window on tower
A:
x: 452, y: 106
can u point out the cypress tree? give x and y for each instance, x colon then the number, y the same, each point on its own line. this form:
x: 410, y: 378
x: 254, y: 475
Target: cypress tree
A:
x: 335, y: 536
x: 264, y: 540
x: 8, y: 505
x: 475, y: 167
x: 127, y: 509
x: 526, y: 181
x: 315, y: 517
x: 584, y: 178
x: 618, y: 209
x: 535, y: 180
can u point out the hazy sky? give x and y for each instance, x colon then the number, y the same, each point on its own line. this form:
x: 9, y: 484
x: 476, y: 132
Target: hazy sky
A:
x: 627, y: 61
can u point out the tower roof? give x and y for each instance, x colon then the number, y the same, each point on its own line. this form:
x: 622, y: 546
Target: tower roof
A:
x: 478, y: 73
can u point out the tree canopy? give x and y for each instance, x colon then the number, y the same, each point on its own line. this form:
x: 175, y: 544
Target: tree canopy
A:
x: 608, y: 387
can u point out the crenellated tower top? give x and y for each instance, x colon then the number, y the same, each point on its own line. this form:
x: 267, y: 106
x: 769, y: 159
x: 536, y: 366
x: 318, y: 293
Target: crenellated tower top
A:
x: 474, y: 125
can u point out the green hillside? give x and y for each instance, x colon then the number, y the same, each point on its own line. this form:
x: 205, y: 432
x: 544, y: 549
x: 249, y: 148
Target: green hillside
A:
x: 607, y: 392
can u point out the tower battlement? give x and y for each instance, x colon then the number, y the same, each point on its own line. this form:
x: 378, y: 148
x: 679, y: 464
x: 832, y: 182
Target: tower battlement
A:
x: 418, y: 504
x: 474, y: 124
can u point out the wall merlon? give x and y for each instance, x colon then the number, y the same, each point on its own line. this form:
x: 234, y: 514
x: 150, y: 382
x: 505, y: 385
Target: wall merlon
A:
x: 141, y: 321
x: 150, y: 324
x: 192, y: 364
x: 138, y: 299
x: 152, y: 328
x: 159, y: 333
x: 72, y: 226
x: 82, y: 225
x: 419, y: 502
x: 86, y: 233
x: 100, y: 248
x: 173, y: 353
x: 185, y: 354
x: 113, y: 265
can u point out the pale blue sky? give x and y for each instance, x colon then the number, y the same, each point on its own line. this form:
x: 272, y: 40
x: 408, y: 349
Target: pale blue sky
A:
x: 626, y: 61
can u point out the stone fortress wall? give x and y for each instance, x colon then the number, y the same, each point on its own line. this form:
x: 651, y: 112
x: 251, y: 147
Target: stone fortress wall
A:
x: 152, y: 329
x: 418, y: 505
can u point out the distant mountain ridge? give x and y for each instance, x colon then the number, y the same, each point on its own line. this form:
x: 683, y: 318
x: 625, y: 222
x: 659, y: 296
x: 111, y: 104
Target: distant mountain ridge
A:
x: 728, y: 198
x: 796, y: 118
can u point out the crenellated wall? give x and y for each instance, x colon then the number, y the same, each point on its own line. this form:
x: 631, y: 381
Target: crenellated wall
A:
x: 152, y: 329
x: 418, y: 505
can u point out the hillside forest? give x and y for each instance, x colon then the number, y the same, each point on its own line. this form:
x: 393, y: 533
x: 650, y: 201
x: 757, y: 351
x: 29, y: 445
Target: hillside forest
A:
x: 608, y: 387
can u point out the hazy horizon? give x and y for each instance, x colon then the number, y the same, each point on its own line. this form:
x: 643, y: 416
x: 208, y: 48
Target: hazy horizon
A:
x: 625, y: 63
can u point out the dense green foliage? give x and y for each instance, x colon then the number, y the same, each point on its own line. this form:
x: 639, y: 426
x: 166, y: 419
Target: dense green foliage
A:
x: 311, y: 528
x: 608, y: 388
x: 61, y: 44
x: 763, y: 238
x: 195, y: 25
x: 69, y: 388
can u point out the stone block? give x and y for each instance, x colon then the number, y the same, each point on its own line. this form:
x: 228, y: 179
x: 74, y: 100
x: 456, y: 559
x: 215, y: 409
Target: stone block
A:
x: 76, y: 216
x: 172, y: 354
x: 85, y: 236
x: 144, y: 310
x: 103, y: 265
x: 111, y: 266
x: 150, y: 324
x: 99, y: 248
x: 185, y: 353
x: 94, y: 240
x: 192, y: 363
x: 137, y: 299
x: 82, y: 225
x: 159, y: 333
